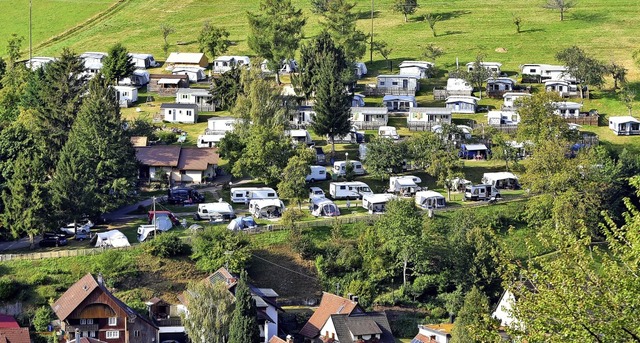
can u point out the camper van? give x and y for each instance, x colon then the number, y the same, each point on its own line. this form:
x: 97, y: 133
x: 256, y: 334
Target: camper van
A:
x: 429, y: 199
x: 266, y: 208
x: 375, y: 203
x: 215, y: 211
x: 318, y: 173
x: 407, y: 185
x: 481, y: 192
x: 388, y: 132
x: 323, y: 207
x: 242, y: 195
x: 340, y: 167
x: 348, y: 190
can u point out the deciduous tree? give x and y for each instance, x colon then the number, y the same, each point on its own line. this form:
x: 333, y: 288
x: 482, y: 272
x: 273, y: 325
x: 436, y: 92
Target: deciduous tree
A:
x: 244, y: 327
x: 432, y: 20
x: 216, y: 247
x: 405, y: 7
x: 586, y: 69
x: 210, y: 312
x: 561, y: 6
x: 166, y: 30
x: 385, y: 157
x: 478, y: 74
x: 538, y: 121
x: 213, y: 40
x: 118, y: 64
x: 382, y: 48
x: 340, y: 22
x: 474, y: 323
x: 293, y: 182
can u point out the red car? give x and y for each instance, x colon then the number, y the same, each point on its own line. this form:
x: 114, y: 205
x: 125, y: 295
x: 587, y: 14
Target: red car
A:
x: 171, y: 216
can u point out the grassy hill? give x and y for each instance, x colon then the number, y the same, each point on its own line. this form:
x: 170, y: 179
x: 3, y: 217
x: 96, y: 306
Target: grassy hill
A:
x: 607, y: 28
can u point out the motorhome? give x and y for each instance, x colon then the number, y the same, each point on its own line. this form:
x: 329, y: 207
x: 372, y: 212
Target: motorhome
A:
x: 266, y: 208
x: 388, y: 132
x: 317, y: 173
x: 376, y: 203
x: 481, y: 192
x: 215, y: 211
x: 406, y: 185
x: 340, y: 167
x: 241, y: 195
x: 323, y: 207
x: 430, y: 200
x: 501, y: 180
x: 348, y: 190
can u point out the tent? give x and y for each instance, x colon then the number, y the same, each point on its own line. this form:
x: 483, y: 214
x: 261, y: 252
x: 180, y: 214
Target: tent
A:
x: 112, y: 238
x: 162, y: 224
x: 429, y: 199
x: 323, y: 207
x: 266, y: 208
x: 242, y: 223
x: 501, y: 180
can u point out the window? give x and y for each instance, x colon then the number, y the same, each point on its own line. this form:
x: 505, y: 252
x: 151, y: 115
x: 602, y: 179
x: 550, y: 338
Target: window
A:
x: 92, y: 334
x: 188, y: 113
x: 185, y: 96
x: 136, y: 333
x: 125, y: 93
x: 532, y: 71
x: 170, y: 112
x: 343, y: 187
x: 113, y: 334
x: 183, y: 172
x: 271, y: 195
x: 86, y: 321
x: 394, y: 83
x: 381, y: 83
x: 113, y: 321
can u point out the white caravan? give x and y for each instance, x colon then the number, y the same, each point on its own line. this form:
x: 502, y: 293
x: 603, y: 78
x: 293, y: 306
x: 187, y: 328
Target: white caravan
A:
x: 388, y: 132
x: 266, y: 208
x: 215, y: 211
x: 323, y: 207
x: 340, y: 167
x: 430, y: 199
x: 407, y: 185
x: 318, y: 173
x: 481, y: 192
x: 209, y: 141
x: 501, y: 180
x: 376, y: 203
x: 348, y: 190
x: 241, y: 195
x: 162, y: 224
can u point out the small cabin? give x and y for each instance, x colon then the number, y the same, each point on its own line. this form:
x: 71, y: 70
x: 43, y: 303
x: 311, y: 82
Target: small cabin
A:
x: 497, y: 118
x: 564, y: 88
x: 420, y: 69
x: 302, y: 116
x: 567, y: 109
x: 126, y: 95
x: 510, y: 99
x: 493, y: 67
x: 462, y: 104
x: 400, y: 103
x: 179, y: 113
x: 624, y: 125
x: 428, y: 116
x: 186, y: 59
x: 500, y: 85
x: 199, y: 96
x: 369, y: 117
x: 398, y: 84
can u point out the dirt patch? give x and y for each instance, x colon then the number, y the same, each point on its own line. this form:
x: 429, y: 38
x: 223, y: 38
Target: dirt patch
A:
x: 502, y: 50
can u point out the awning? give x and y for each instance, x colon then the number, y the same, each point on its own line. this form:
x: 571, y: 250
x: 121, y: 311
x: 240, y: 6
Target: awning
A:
x: 168, y: 81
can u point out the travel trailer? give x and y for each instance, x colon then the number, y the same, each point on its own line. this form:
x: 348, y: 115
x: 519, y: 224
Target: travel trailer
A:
x: 215, y: 211
x: 241, y: 195
x: 340, y: 167
x: 501, y: 180
x: 318, y: 173
x: 481, y: 192
x: 376, y: 203
x: 388, y: 132
x: 406, y: 185
x: 348, y: 190
x: 430, y: 200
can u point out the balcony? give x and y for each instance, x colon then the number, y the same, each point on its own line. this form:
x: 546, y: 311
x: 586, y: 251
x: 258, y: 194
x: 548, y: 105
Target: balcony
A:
x: 85, y: 327
x: 171, y: 321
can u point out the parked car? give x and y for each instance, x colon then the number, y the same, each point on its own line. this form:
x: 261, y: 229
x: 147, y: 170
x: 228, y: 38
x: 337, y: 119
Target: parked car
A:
x: 83, y: 226
x: 184, y: 196
x: 52, y: 239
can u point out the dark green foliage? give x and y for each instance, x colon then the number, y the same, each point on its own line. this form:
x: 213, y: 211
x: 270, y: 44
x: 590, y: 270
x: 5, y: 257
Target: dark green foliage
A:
x: 474, y: 323
x: 118, y: 64
x: 405, y: 7
x: 3, y: 68
x: 141, y: 126
x: 405, y: 326
x: 216, y: 247
x: 42, y: 318
x: 478, y: 75
x: 385, y: 157
x: 340, y: 22
x: 226, y: 88
x: 12, y: 92
x: 14, y: 45
x: 319, y: 6
x: 8, y: 289
x: 586, y: 69
x: 166, y: 245
x: 293, y: 183
x: 213, y: 40
x: 166, y: 137
x: 244, y: 326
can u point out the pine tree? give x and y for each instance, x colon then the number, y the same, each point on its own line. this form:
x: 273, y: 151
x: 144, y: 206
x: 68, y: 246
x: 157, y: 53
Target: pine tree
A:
x: 118, y: 64
x: 244, y: 327
x: 340, y: 22
x: 333, y: 103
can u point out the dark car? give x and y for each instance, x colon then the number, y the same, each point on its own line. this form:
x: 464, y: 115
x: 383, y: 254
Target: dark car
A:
x: 50, y: 239
x: 184, y: 196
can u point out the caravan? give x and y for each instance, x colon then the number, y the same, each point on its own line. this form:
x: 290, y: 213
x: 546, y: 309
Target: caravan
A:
x: 429, y: 200
x: 318, y: 173
x: 340, y: 168
x: 323, y: 207
x: 242, y: 195
x: 406, y: 185
x: 215, y: 211
x: 376, y: 203
x: 348, y: 190
x: 266, y: 208
x: 481, y: 192
x: 501, y: 180
x: 388, y: 132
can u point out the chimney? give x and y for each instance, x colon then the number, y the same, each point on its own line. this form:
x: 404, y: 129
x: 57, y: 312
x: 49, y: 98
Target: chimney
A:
x: 100, y: 279
x: 350, y: 296
x: 355, y: 299
x: 289, y: 339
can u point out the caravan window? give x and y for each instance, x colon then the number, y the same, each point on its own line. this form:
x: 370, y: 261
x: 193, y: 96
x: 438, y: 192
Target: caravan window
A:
x: 357, y: 166
x: 185, y: 96
x: 394, y: 83
x: 343, y: 187
x: 271, y: 194
x: 238, y: 195
x: 321, y: 172
x: 532, y: 70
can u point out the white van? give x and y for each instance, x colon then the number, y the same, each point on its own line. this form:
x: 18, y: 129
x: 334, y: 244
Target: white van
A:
x: 376, y: 203
x: 242, y: 195
x: 215, y: 211
x: 318, y: 173
x: 348, y: 190
x: 340, y: 167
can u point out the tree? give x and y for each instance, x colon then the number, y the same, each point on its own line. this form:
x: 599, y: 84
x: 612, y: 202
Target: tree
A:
x: 405, y: 7
x: 226, y: 88
x: 293, y: 183
x: 385, y: 157
x: 210, y: 312
x: 42, y: 318
x: 118, y: 64
x: 618, y: 73
x: 474, y: 323
x: 216, y: 247
x: 561, y: 6
x: 340, y: 23
x: 504, y: 150
x: 517, y: 21
x: 432, y: 52
x: 333, y: 103
x: 382, y: 48
x: 478, y: 74
x: 538, y: 121
x: 432, y: 20
x: 166, y: 30
x: 14, y: 45
x: 276, y: 32
x: 244, y: 327
x: 628, y: 96
x: 587, y: 70
x: 319, y: 6
x: 213, y: 40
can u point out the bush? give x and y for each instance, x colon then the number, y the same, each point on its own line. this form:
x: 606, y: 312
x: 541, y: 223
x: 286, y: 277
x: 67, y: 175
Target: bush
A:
x: 303, y: 245
x: 166, y: 245
x: 404, y: 326
x: 8, y: 289
x: 166, y: 137
x: 42, y: 318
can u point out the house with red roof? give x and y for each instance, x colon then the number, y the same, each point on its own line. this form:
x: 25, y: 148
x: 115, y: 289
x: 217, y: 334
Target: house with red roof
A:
x: 11, y: 332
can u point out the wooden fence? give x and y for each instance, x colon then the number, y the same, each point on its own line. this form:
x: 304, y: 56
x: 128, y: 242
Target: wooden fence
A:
x: 56, y: 254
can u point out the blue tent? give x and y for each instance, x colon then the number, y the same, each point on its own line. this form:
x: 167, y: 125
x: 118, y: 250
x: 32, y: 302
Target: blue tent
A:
x: 242, y: 223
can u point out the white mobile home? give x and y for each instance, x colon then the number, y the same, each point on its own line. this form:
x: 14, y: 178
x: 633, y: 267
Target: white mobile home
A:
x: 481, y: 192
x: 427, y: 116
x: 406, y: 185
x: 303, y: 116
x: 500, y: 85
x: 194, y: 74
x: 500, y: 180
x: 300, y: 136
x: 266, y: 208
x: 288, y: 66
x: 564, y: 88
x: 418, y: 68
x: 92, y: 62
x: 220, y: 124
x: 376, y: 203
x: 462, y: 104
x: 625, y: 125
x: 511, y: 99
x: 398, y: 84
x: 198, y: 96
x: 126, y: 95
x: 567, y: 109
x: 323, y: 207
x: 399, y: 102
x: 317, y: 173
x: 38, y: 62
x: 493, y: 67
x: 241, y: 195
x: 348, y: 190
x: 340, y: 167
x: 429, y: 199
x: 458, y: 87
x: 388, y: 132
x: 369, y: 117
x: 497, y: 118
x: 186, y: 59
x: 180, y: 113
x: 143, y: 61
x: 541, y: 72
x: 223, y: 64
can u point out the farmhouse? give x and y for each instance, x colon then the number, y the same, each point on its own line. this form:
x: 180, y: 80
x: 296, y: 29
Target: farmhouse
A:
x: 625, y: 125
x: 182, y: 165
x: 511, y: 99
x: 179, y: 113
x: 166, y: 84
x: 493, y: 67
x: 462, y: 104
x: 496, y: 87
x: 398, y: 84
x: 198, y: 96
x: 497, y: 118
x: 416, y: 68
x: 567, y: 109
x: 426, y: 117
x: 369, y: 117
x: 399, y: 102
x: 564, y: 88
x: 126, y: 95
x: 223, y: 64
x: 144, y: 61
x: 194, y: 74
x: 186, y: 59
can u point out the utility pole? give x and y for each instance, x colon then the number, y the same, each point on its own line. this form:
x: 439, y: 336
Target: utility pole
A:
x: 337, y: 288
x: 371, y: 38
x: 155, y: 226
x: 30, y: 45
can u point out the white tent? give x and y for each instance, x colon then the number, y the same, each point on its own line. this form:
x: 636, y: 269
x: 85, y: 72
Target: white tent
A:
x: 266, y: 208
x: 112, y: 238
x: 323, y: 207
x: 163, y: 223
x: 429, y: 199
x: 500, y: 180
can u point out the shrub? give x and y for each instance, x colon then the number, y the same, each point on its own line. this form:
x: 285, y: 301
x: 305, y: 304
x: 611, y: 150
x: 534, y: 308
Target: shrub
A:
x: 303, y: 245
x: 42, y: 318
x: 166, y: 137
x: 8, y: 289
x: 404, y: 326
x: 166, y: 245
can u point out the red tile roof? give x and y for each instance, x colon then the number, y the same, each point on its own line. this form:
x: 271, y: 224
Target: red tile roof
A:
x: 15, y: 335
x: 197, y: 158
x: 420, y: 338
x: 7, y: 321
x: 330, y: 304
x: 158, y: 155
x: 276, y: 339
x: 79, y: 291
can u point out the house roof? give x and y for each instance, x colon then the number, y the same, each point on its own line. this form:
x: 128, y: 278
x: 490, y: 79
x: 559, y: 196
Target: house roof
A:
x: 167, y: 76
x: 168, y: 81
x: 182, y: 106
x: 197, y: 91
x: 398, y: 76
x: 501, y: 80
x: 430, y: 110
x: 15, y: 335
x: 623, y: 119
x: 197, y: 159
x: 8, y: 322
x: 330, y: 304
x: 441, y: 329
x: 420, y: 338
x: 474, y: 146
x: 158, y: 155
x: 87, y: 340
x: 185, y: 57
x: 276, y: 339
x: 139, y: 141
x: 370, y: 323
x: 467, y: 99
x: 399, y: 97
x: 370, y: 110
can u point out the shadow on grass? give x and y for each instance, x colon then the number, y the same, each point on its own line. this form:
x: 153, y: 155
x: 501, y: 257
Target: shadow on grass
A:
x: 590, y: 17
x: 532, y: 30
x: 444, y: 16
x: 451, y: 33
x: 362, y: 15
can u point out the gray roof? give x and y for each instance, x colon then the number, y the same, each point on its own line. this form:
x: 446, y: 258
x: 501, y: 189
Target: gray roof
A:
x: 431, y: 110
x: 267, y: 292
x: 184, y: 106
x: 198, y: 91
x: 362, y: 324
